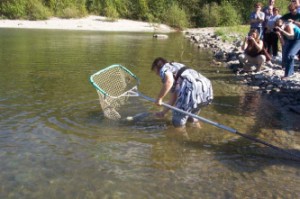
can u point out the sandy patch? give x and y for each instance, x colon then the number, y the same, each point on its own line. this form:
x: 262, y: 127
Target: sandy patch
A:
x: 96, y: 23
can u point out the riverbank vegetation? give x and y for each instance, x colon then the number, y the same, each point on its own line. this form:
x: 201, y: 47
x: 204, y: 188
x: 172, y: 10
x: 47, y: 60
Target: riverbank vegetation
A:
x: 239, y: 30
x: 176, y: 13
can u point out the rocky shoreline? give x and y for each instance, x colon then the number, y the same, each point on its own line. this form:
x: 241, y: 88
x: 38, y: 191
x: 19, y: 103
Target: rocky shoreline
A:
x: 268, y: 81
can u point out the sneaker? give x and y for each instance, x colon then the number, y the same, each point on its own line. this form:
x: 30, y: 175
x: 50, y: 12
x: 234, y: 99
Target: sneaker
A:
x: 276, y: 59
x: 269, y: 63
x: 289, y: 77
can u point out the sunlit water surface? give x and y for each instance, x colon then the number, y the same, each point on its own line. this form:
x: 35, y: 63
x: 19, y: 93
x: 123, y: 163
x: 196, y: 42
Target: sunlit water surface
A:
x: 56, y: 143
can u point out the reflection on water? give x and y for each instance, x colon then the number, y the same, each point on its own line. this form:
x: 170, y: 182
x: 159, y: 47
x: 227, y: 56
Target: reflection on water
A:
x: 56, y: 143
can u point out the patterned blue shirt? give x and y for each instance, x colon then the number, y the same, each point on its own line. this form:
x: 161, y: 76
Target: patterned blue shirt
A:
x: 171, y: 68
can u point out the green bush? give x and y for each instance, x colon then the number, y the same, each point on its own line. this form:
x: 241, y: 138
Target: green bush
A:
x: 93, y: 6
x: 176, y: 13
x: 71, y: 12
x: 68, y: 8
x: 176, y: 17
x: 209, y: 15
x: 14, y: 9
x: 228, y: 15
x: 143, y: 9
x: 111, y: 13
x: 151, y: 19
x: 240, y: 30
x: 157, y: 8
x: 36, y: 10
x: 215, y: 15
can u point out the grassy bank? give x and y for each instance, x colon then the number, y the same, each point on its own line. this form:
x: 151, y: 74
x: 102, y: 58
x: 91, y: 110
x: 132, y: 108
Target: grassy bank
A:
x: 228, y: 34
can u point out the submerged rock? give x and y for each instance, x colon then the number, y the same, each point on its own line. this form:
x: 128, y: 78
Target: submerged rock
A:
x: 160, y: 36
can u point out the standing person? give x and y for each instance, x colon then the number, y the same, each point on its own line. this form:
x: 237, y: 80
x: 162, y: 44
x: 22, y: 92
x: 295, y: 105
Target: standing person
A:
x: 293, y: 15
x: 297, y: 4
x: 253, y: 51
x: 289, y: 35
x: 257, y: 18
x: 271, y: 4
x: 268, y: 10
x: 270, y: 37
x: 190, y: 91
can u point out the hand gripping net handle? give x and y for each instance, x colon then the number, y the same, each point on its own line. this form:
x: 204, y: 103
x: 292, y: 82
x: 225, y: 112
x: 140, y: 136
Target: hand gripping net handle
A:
x: 114, y: 85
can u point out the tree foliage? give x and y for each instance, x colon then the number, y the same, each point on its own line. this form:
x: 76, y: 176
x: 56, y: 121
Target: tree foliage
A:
x: 176, y: 17
x: 177, y: 13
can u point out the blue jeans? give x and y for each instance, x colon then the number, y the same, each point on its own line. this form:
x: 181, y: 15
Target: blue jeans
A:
x: 180, y: 119
x: 289, y: 51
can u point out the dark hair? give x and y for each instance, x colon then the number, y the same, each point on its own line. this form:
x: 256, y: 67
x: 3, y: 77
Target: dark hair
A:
x: 158, y: 63
x: 252, y: 30
x: 292, y: 7
x: 258, y: 4
x: 278, y: 22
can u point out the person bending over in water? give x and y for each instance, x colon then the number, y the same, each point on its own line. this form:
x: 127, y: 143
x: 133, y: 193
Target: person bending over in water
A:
x: 190, y: 91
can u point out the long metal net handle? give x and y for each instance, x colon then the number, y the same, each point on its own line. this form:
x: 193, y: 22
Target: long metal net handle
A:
x: 117, y: 83
x: 293, y: 156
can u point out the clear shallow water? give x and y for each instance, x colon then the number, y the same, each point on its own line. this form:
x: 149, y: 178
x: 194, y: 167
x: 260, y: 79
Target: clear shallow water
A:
x: 55, y: 142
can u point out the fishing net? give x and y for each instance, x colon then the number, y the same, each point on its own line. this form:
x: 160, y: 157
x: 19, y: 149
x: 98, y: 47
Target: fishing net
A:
x: 114, y: 85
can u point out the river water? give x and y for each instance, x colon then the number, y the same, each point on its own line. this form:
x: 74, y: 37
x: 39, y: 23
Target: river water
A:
x: 56, y: 143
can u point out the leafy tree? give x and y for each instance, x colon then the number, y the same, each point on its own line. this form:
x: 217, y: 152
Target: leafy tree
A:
x: 110, y: 10
x: 35, y: 10
x: 208, y: 15
x: 176, y: 17
x: 178, y: 13
x: 157, y: 8
x: 13, y: 9
x: 228, y: 15
x: 143, y: 9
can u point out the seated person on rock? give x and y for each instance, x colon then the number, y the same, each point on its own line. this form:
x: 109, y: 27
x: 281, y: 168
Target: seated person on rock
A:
x: 253, y: 52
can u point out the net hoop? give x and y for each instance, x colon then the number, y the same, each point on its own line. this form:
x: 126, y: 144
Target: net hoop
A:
x: 97, y: 87
x: 114, y: 85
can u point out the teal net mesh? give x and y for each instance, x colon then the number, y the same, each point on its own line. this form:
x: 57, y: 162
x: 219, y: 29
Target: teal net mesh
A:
x: 114, y: 85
